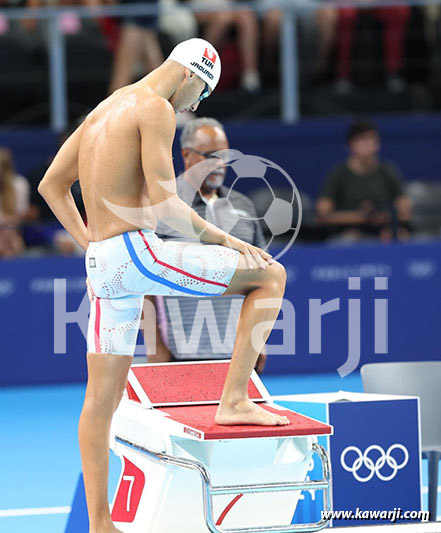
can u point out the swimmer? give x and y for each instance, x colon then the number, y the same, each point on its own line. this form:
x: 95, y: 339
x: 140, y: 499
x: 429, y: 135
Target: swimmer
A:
x: 122, y: 156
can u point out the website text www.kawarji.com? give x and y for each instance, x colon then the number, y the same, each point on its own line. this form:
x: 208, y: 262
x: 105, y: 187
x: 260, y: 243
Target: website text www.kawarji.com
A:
x: 395, y: 515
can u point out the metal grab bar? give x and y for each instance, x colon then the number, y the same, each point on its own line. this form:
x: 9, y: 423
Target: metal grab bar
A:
x: 209, y: 491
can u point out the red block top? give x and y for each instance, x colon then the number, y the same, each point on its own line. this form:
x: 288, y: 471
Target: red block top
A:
x: 201, y: 417
x: 194, y: 383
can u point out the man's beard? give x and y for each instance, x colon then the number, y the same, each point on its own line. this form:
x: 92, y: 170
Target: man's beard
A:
x: 214, y: 180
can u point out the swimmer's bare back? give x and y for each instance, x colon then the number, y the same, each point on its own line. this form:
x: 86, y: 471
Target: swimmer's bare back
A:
x: 110, y: 165
x: 122, y: 156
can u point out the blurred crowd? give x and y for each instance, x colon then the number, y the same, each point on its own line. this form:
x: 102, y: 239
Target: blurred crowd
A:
x: 329, y: 39
x: 363, y: 198
x: 27, y: 225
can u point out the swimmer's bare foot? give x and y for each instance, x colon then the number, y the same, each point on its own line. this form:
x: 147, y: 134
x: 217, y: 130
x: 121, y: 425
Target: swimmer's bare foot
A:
x: 107, y: 529
x: 110, y: 530
x: 247, y: 412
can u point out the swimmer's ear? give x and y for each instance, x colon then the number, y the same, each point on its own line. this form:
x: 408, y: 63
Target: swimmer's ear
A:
x: 189, y: 73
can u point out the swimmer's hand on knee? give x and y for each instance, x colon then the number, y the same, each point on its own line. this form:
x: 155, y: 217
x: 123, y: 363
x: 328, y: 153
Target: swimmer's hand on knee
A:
x: 255, y: 256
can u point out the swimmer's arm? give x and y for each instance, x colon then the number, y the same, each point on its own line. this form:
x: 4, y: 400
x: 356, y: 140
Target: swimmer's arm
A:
x: 157, y: 133
x: 55, y: 187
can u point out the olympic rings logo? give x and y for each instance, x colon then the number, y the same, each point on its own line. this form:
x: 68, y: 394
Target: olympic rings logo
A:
x: 363, y: 459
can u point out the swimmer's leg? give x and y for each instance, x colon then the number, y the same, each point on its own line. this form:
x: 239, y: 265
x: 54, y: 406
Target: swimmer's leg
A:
x: 256, y: 284
x: 105, y: 387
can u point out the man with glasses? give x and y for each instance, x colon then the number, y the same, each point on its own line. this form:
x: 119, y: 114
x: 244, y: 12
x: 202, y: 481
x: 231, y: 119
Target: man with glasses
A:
x: 210, y: 322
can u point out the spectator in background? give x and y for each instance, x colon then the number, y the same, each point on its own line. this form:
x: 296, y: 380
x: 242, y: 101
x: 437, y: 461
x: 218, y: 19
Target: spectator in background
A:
x: 216, y: 27
x: 14, y: 206
x: 138, y: 45
x: 323, y: 20
x: 364, y: 195
x: 394, y: 20
x: 432, y: 30
x: 201, y: 138
x: 35, y: 30
x: 178, y: 25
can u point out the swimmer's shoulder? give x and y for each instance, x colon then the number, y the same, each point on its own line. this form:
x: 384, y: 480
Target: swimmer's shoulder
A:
x: 157, y: 113
x: 121, y: 104
x: 132, y: 107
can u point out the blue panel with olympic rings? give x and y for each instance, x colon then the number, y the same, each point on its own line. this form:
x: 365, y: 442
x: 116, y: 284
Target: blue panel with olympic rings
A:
x: 375, y: 457
x: 376, y: 461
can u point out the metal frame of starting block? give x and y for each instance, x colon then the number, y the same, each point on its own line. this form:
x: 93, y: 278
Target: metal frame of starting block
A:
x: 209, y: 491
x: 172, y: 447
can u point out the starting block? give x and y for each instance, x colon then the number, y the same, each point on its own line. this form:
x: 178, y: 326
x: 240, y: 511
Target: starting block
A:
x: 182, y: 472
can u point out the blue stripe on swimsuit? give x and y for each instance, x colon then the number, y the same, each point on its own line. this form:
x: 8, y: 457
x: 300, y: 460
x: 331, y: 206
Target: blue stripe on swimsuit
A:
x: 154, y: 277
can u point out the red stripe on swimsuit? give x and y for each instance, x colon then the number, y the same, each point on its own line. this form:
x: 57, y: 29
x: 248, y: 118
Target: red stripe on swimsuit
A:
x: 175, y: 268
x: 97, y: 326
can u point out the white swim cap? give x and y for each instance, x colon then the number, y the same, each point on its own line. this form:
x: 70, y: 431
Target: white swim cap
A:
x: 200, y: 57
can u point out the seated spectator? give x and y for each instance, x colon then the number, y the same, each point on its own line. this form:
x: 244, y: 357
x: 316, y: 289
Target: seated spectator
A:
x: 14, y: 205
x: 178, y: 25
x: 26, y: 25
x: 394, y: 20
x: 138, y: 46
x: 321, y: 21
x: 215, y: 28
x: 363, y: 196
x: 432, y: 30
x: 4, y: 23
x: 69, y: 21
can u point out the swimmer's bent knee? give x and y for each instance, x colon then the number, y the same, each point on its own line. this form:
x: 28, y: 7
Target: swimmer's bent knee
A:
x: 280, y: 271
x: 275, y: 275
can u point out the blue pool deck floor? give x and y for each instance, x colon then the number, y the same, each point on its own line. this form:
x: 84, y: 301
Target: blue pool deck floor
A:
x: 39, y: 456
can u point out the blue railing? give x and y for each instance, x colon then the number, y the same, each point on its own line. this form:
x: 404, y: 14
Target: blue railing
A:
x: 288, y: 40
